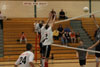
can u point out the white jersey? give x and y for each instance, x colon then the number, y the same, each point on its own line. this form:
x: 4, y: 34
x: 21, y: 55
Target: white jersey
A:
x: 36, y: 25
x: 24, y: 59
x: 46, y: 36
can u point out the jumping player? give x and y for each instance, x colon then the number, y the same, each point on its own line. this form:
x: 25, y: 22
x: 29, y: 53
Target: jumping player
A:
x: 26, y: 58
x: 97, y: 45
x: 82, y: 55
x: 46, y: 39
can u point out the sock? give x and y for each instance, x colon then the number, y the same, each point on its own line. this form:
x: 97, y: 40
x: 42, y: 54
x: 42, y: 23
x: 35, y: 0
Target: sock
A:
x: 46, y: 64
x: 83, y: 65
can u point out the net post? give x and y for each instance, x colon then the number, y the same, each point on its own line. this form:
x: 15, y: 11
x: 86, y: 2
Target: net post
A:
x: 36, y: 48
x: 39, y: 39
x: 96, y: 23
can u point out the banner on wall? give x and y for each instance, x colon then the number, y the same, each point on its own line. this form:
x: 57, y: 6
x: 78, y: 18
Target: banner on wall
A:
x: 35, y: 3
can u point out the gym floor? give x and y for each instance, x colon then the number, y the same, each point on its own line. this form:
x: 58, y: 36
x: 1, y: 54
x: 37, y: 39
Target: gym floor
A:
x: 57, y: 63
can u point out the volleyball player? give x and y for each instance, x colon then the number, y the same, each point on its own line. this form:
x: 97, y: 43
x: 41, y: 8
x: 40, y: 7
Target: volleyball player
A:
x: 47, y: 40
x: 97, y: 45
x: 26, y: 58
x: 38, y: 26
x: 82, y: 55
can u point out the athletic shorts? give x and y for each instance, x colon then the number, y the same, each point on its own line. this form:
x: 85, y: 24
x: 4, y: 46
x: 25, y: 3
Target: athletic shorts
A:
x: 82, y: 62
x: 46, y: 51
x: 97, y: 59
x: 40, y: 47
x: 97, y: 49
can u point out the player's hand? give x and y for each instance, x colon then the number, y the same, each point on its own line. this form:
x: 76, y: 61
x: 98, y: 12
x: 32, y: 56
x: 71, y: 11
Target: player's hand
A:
x: 86, y: 57
x: 90, y: 48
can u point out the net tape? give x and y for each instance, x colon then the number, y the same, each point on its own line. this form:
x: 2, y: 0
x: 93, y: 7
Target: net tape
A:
x: 93, y: 51
x: 88, y: 14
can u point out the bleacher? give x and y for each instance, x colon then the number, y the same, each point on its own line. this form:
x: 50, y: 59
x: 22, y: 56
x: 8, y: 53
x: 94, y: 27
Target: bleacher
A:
x: 12, y: 48
x: 89, y: 26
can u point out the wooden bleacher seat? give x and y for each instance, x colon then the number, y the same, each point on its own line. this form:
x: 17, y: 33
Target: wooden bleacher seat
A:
x: 12, y: 30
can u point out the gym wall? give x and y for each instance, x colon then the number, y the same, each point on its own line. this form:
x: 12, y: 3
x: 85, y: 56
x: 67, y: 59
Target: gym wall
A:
x: 16, y: 9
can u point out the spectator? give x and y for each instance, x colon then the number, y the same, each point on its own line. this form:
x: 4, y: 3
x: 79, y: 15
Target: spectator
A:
x: 78, y: 37
x: 73, y: 38
x: 56, y: 34
x: 60, y: 29
x: 67, y: 29
x: 62, y: 14
x: 1, y: 20
x: 52, y: 14
x: 64, y: 39
x: 68, y: 37
x: 82, y: 55
x: 23, y: 38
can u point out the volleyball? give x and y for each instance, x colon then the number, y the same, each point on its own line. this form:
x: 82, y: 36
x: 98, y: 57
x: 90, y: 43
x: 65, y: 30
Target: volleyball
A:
x: 86, y: 9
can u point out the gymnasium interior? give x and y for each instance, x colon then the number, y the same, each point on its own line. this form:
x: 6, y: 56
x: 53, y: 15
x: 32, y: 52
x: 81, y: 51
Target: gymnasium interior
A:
x: 81, y: 16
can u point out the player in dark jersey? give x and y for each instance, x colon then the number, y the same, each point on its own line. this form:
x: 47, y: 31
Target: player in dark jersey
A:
x: 97, y: 45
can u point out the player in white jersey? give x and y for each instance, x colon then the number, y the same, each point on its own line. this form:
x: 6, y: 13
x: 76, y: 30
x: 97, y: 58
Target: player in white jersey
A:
x: 26, y: 58
x: 47, y: 39
x: 38, y: 26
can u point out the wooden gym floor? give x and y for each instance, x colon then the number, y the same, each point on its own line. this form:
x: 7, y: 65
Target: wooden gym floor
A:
x: 57, y: 63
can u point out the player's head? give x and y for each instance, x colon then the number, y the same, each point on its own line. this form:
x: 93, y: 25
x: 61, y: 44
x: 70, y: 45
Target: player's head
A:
x: 60, y: 25
x: 81, y: 42
x: 22, y: 32
x: 52, y: 9
x: 42, y: 22
x: 28, y: 46
x: 61, y: 9
x: 46, y: 26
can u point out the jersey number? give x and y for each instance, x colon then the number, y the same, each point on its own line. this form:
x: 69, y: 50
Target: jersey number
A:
x: 23, y: 60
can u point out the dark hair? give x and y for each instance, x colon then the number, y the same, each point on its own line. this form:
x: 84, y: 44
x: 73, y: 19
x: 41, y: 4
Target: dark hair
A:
x: 81, y: 40
x: 22, y: 32
x: 46, y: 26
x: 42, y: 21
x: 28, y: 46
x: 40, y: 25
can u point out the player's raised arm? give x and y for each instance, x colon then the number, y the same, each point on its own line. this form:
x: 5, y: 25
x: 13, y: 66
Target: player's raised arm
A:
x: 97, y: 43
x: 31, y: 64
x: 53, y: 21
x: 15, y: 65
x: 17, y: 62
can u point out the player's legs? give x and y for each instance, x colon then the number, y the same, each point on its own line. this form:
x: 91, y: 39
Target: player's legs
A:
x: 72, y: 40
x: 48, y: 49
x: 97, y: 62
x: 25, y: 40
x: 43, y: 49
x: 82, y: 63
x: 47, y: 54
x: 66, y: 41
x: 62, y: 40
x: 40, y: 48
x: 21, y: 40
